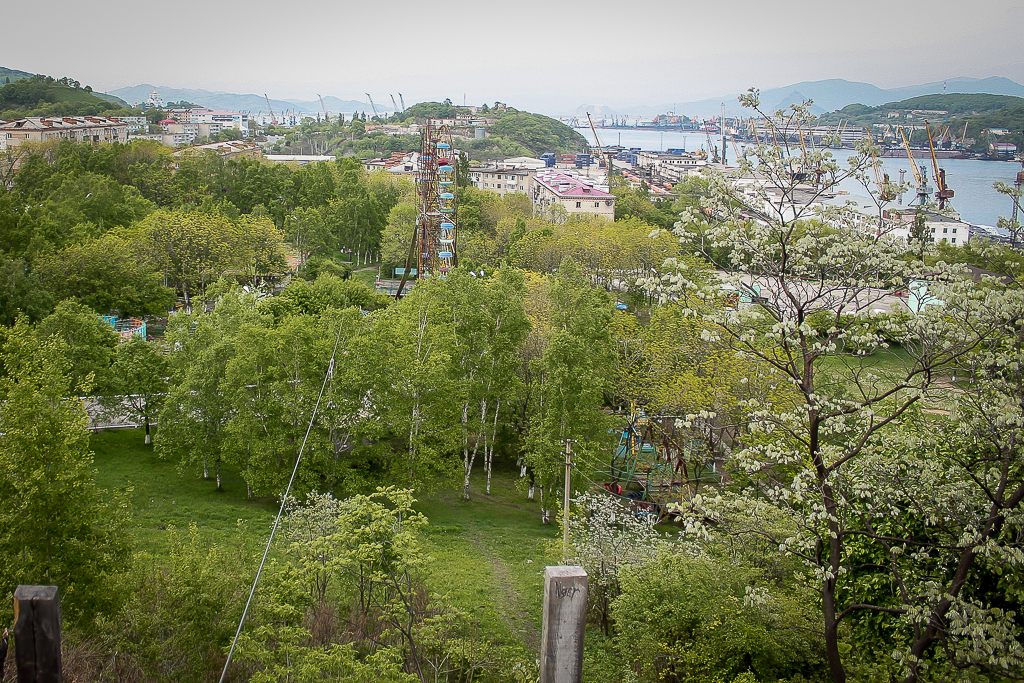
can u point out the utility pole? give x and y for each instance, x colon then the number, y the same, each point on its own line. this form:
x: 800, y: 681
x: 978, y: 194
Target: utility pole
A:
x: 565, y: 507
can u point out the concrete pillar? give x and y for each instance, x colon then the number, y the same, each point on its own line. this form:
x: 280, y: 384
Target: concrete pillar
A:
x: 37, y: 634
x: 565, y: 619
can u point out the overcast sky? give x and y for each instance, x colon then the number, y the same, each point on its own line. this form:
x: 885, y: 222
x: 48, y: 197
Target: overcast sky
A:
x: 539, y: 55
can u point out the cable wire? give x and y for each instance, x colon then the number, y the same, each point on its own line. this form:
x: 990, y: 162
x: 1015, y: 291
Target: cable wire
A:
x: 284, y: 501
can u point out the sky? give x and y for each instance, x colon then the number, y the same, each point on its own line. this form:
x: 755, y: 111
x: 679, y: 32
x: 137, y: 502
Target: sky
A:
x: 536, y: 55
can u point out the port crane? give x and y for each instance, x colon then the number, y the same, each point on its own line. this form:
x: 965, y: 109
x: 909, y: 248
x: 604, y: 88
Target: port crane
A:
x: 944, y: 193
x: 372, y: 105
x: 923, y: 191
x: 712, y: 149
x: 402, y: 100
x: 394, y: 104
x: 600, y: 150
x: 881, y: 179
x: 273, y: 119
x: 324, y: 107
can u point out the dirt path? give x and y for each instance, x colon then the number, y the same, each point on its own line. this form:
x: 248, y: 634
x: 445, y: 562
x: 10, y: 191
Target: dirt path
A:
x: 509, y: 606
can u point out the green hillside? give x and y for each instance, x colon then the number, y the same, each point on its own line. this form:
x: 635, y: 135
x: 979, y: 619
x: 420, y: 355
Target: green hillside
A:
x: 46, y: 96
x: 954, y: 105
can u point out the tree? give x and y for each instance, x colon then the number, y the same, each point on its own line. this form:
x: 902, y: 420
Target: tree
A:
x: 1014, y: 192
x: 90, y: 343
x: 413, y: 390
x: 107, y: 276
x: 57, y: 527
x: 813, y: 277
x: 571, y: 379
x: 920, y: 234
x: 21, y: 292
x: 488, y: 325
x: 139, y: 381
x: 308, y: 232
x: 190, y: 248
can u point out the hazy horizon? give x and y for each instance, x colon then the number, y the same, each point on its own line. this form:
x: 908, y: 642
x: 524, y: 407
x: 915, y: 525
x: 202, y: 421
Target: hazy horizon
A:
x: 536, y: 56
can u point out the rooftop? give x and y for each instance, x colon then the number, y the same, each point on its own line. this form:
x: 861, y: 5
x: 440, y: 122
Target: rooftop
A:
x: 565, y: 185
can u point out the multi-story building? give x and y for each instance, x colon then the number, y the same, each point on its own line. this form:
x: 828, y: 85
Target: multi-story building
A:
x: 502, y: 180
x: 134, y: 123
x: 576, y: 195
x: 78, y: 128
x: 226, y: 119
x: 669, y: 167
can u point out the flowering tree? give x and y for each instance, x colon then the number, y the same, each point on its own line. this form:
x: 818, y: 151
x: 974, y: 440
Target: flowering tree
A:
x: 810, y: 280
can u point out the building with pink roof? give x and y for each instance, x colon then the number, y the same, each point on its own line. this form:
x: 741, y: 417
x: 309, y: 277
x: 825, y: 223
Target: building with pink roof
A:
x: 575, y: 194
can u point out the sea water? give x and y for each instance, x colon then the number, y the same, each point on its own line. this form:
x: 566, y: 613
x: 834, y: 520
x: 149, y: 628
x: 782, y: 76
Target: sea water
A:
x: 971, y: 179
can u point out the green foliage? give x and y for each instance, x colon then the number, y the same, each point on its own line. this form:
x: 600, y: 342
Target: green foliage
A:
x: 434, y: 110
x: 106, y: 275
x: 695, y: 618
x: 181, y: 610
x: 45, y: 96
x: 537, y: 133
x: 89, y: 342
x: 57, y: 527
x: 138, y: 382
x: 21, y: 292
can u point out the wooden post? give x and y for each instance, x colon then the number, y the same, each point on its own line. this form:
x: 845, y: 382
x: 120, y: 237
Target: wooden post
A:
x: 37, y: 634
x: 565, y: 619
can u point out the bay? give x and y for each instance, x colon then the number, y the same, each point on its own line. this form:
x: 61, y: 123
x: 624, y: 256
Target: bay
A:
x: 970, y: 179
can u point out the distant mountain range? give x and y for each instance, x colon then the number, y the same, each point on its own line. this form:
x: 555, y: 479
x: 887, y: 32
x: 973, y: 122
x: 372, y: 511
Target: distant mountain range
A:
x: 235, y: 102
x: 12, y: 74
x: 827, y: 95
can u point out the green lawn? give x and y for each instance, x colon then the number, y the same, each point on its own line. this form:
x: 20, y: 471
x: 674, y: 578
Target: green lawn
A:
x: 162, y: 496
x: 881, y: 370
x: 489, y: 552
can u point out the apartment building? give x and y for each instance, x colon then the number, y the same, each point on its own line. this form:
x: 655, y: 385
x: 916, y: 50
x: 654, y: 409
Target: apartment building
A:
x: 502, y: 180
x: 575, y: 194
x: 78, y: 128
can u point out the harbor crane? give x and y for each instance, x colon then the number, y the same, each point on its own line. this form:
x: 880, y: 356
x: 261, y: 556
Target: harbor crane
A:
x: 944, y: 193
x: 600, y: 150
x: 402, y: 100
x: 923, y: 190
x: 394, y: 104
x: 324, y: 107
x: 712, y: 149
x: 881, y: 179
x: 373, y: 106
x: 273, y: 119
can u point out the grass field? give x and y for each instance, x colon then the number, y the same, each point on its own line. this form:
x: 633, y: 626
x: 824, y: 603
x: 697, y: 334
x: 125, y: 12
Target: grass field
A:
x: 489, y: 552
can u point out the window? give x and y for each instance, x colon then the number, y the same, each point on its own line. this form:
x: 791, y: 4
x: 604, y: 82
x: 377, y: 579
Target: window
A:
x: 597, y: 204
x: 953, y: 240
x: 579, y: 205
x: 945, y: 230
x: 954, y: 231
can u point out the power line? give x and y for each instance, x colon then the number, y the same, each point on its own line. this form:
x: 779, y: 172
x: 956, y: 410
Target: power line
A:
x: 284, y: 500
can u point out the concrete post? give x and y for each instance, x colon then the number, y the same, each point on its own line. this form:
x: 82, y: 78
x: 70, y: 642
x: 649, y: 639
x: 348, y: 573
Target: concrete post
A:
x: 565, y: 619
x: 37, y: 634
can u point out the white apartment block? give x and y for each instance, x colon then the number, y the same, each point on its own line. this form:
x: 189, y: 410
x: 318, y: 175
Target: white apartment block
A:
x: 575, y: 194
x: 502, y: 180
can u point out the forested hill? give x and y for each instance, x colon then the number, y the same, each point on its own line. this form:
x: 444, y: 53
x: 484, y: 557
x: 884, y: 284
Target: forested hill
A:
x: 512, y: 133
x: 954, y: 104
x: 47, y: 96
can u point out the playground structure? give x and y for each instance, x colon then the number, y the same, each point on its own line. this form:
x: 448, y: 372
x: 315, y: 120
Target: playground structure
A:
x: 433, y: 249
x: 126, y: 327
x: 657, y: 465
